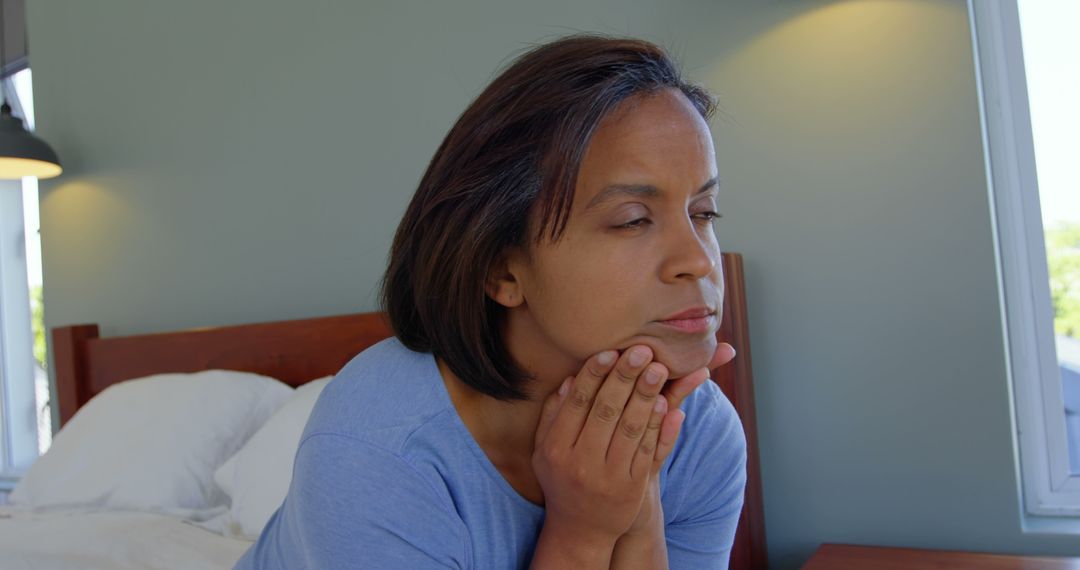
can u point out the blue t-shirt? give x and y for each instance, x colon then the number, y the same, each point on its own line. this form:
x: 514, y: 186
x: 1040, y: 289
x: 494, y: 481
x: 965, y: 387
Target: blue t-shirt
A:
x: 388, y: 476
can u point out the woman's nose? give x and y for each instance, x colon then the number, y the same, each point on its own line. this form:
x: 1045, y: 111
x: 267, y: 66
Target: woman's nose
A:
x: 690, y: 253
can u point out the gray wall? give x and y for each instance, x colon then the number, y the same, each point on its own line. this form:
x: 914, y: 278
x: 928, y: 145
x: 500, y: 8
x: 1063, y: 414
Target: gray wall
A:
x: 243, y: 161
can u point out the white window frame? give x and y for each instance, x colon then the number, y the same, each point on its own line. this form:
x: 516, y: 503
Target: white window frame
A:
x: 1048, y: 485
x: 18, y: 431
x: 18, y: 408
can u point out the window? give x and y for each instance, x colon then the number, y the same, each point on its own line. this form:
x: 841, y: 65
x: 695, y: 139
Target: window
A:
x: 1027, y: 57
x: 25, y: 419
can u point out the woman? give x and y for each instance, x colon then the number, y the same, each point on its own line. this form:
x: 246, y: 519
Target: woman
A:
x: 554, y: 289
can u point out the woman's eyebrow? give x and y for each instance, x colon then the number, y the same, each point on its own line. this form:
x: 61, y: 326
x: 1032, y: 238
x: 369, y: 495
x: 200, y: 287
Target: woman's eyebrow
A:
x: 645, y: 190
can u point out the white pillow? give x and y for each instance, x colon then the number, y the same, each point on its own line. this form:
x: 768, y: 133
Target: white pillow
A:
x: 257, y: 478
x: 152, y: 443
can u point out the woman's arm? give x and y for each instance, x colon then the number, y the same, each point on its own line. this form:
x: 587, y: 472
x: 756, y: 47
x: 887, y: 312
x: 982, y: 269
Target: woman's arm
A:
x: 562, y: 547
x: 645, y: 548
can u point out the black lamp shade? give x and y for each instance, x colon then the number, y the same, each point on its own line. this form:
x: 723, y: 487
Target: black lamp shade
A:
x: 23, y: 154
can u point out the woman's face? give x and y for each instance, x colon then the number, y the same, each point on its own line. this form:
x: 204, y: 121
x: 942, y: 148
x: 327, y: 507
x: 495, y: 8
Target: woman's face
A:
x: 638, y: 249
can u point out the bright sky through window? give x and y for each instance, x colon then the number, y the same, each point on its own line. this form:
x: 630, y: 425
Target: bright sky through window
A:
x: 1052, y: 63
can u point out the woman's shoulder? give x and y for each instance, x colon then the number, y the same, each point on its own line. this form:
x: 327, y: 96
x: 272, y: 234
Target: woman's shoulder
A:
x: 710, y: 405
x: 383, y: 394
x: 704, y: 477
x: 712, y: 432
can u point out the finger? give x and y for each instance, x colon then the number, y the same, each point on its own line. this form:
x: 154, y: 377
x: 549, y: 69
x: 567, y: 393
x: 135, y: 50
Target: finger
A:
x: 669, y: 433
x: 550, y: 408
x: 611, y: 399
x: 677, y: 390
x: 646, y: 451
x: 635, y: 417
x: 579, y: 399
x: 724, y: 353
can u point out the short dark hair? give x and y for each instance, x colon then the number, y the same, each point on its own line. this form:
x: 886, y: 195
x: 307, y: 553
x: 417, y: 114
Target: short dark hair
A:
x: 514, y: 153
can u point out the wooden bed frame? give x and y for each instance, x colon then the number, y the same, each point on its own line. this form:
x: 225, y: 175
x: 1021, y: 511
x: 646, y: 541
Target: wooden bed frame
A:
x: 298, y: 351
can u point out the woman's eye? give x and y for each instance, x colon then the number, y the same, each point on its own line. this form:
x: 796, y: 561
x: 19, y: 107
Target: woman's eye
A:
x: 707, y: 216
x: 633, y: 224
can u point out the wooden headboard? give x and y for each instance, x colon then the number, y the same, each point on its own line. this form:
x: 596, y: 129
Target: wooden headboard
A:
x: 301, y: 350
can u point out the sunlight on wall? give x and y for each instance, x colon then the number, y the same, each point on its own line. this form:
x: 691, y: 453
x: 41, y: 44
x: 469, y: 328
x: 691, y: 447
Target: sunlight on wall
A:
x: 819, y: 74
x: 84, y: 217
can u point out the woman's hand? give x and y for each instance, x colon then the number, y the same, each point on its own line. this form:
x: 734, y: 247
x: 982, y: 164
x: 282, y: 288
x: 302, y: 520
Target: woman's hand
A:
x: 667, y: 428
x: 600, y: 443
x: 675, y: 392
x: 596, y: 445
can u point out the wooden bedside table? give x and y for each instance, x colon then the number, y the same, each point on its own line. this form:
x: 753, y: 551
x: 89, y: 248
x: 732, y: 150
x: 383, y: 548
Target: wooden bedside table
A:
x: 850, y: 557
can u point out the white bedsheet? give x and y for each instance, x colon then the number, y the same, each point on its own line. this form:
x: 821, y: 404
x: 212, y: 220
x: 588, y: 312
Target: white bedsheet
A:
x: 61, y: 539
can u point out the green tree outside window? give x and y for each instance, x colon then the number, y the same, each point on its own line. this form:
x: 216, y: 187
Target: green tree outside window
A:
x: 37, y: 324
x: 1063, y: 262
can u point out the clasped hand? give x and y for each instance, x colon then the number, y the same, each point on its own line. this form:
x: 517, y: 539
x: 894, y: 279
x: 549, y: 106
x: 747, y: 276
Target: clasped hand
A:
x: 603, y: 437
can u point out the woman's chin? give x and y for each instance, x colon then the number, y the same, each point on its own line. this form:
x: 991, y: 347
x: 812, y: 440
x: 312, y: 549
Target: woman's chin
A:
x: 682, y: 359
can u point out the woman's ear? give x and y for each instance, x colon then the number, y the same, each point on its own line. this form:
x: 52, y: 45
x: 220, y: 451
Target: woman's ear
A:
x: 503, y: 285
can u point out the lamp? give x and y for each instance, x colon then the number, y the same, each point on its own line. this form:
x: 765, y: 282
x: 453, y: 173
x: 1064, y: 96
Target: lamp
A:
x: 21, y: 153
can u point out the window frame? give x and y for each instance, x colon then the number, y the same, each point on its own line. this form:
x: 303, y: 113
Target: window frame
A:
x: 19, y: 437
x: 1041, y: 440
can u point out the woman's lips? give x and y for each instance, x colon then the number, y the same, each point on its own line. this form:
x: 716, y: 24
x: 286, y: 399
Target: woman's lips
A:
x: 691, y: 325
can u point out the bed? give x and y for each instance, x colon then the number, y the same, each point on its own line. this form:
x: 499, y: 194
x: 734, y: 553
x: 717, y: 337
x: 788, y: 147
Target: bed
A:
x: 176, y: 504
